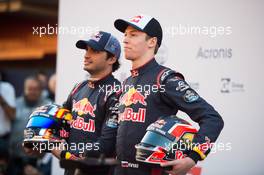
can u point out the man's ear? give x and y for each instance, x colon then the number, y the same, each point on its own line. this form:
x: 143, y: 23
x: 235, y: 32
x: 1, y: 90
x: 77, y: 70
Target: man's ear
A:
x: 112, y: 60
x: 152, y: 42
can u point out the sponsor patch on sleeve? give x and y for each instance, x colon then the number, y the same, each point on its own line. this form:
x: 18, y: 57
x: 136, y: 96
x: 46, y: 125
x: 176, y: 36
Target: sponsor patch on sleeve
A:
x: 190, y: 96
x: 182, y: 86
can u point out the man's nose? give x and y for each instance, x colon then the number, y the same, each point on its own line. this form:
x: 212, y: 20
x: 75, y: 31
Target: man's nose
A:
x: 126, y: 40
x: 87, y: 54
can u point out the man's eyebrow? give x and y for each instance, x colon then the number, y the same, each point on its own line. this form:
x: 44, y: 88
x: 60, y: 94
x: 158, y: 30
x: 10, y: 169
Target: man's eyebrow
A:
x: 131, y: 31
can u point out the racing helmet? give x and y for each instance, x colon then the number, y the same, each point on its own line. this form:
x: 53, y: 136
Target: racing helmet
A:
x: 167, y: 139
x: 46, y: 125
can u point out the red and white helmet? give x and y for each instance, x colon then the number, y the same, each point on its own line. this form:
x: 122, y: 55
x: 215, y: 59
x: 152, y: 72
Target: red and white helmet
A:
x: 167, y: 139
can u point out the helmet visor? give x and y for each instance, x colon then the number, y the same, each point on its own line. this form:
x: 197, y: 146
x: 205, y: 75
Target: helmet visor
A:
x: 155, y: 139
x: 41, y: 122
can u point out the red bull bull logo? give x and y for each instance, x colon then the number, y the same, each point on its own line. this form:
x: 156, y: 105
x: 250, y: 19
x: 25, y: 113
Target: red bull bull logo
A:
x: 133, y: 97
x: 83, y: 107
x: 136, y: 19
x: 85, y: 126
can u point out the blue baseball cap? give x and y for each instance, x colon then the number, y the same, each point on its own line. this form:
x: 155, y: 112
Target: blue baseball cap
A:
x: 101, y: 41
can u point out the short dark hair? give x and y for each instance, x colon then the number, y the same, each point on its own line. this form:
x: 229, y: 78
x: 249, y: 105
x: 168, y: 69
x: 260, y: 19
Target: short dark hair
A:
x: 116, y: 65
x: 157, y: 45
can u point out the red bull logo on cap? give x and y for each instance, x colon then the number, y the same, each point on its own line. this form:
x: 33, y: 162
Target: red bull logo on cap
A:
x: 136, y: 19
x: 140, y: 20
x: 97, y: 36
x: 132, y: 96
x: 83, y: 107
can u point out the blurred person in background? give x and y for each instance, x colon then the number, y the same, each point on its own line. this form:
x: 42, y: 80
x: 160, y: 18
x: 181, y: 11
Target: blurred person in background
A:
x: 43, y: 166
x: 7, y: 114
x: 43, y: 78
x: 52, y: 87
x: 25, y: 104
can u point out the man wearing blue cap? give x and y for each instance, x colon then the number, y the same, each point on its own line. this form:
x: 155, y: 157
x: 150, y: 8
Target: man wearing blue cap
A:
x: 91, y: 101
x: 169, y: 93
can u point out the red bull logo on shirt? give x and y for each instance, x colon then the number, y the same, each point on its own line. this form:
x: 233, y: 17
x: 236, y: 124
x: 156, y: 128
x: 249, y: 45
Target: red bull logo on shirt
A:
x: 85, y: 126
x: 132, y: 96
x: 83, y: 107
x: 130, y: 115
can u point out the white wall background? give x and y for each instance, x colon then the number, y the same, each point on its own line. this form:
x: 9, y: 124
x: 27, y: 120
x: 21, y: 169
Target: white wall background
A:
x: 232, y: 84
